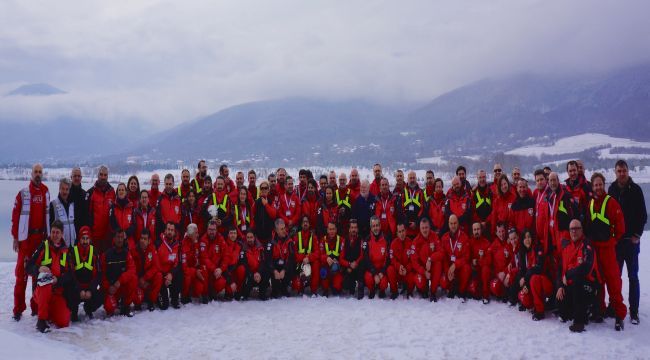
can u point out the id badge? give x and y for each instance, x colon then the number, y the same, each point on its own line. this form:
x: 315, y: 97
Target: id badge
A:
x: 453, y: 258
x: 551, y: 223
x: 243, y: 227
x: 411, y: 208
x: 287, y: 213
x: 383, y: 216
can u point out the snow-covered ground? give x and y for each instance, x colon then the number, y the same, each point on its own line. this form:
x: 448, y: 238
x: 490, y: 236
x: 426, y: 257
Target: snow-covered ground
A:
x: 579, y: 143
x: 327, y: 328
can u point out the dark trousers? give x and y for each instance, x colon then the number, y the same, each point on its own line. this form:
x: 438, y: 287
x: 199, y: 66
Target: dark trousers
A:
x: 628, y: 253
x: 73, y: 300
x: 250, y: 283
x: 352, y: 279
x: 578, y: 299
x: 172, y: 291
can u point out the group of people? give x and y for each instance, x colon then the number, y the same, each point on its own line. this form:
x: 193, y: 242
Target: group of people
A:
x: 558, y: 247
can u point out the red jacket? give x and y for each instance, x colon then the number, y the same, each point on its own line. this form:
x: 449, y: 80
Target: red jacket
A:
x: 242, y: 218
x: 191, y: 215
x: 352, y: 246
x: 522, y: 214
x: 126, y: 273
x: 501, y: 208
x: 600, y: 233
x: 304, y: 238
x: 169, y: 209
x: 374, y: 187
x: 168, y: 254
x: 436, y: 210
x: 290, y: 209
x: 232, y: 251
x: 99, y: 206
x: 457, y: 249
x: 377, y: 257
x: 56, y: 254
x: 221, y: 200
x: 581, y: 193
x: 480, y: 251
x: 401, y: 252
x: 283, y: 254
x: 335, y: 251
x: 121, y: 218
x: 145, y: 218
x: 211, y: 253
x: 387, y: 210
x: 253, y: 259
x: 578, y: 262
x: 147, y: 264
x: 431, y: 249
x: 501, y: 255
x: 310, y: 208
x: 190, y: 255
x: 327, y: 213
x: 154, y: 194
x: 459, y: 204
x: 38, y: 209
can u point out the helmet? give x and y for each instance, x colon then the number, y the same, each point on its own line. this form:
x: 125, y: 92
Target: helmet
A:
x: 45, y: 279
x: 212, y: 210
x: 305, y: 270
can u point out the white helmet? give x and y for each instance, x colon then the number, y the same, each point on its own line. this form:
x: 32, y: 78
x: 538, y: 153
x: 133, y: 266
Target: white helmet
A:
x: 212, y: 210
x: 306, y: 270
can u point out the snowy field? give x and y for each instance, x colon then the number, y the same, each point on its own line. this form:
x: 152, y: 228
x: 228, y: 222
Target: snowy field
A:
x: 326, y: 328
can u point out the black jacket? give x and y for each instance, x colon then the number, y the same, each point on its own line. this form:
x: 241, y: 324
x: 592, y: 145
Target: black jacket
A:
x: 632, y: 203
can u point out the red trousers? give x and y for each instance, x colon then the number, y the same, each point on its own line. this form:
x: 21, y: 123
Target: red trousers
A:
x: 333, y: 279
x: 52, y: 306
x: 25, y: 250
x: 611, y: 277
x: 540, y: 288
x: 150, y: 293
x: 461, y: 277
x: 395, y: 279
x: 436, y: 273
x: 126, y: 293
x: 370, y: 282
x: 484, y: 275
x: 192, y: 285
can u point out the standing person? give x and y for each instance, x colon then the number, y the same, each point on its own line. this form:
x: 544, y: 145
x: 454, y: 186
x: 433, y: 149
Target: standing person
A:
x: 426, y: 262
x: 429, y: 185
x: 310, y: 204
x: 78, y: 197
x: 412, y: 205
x: 301, y: 188
x: 541, y: 221
x: 436, y: 207
x: 281, y: 259
x: 100, y: 199
x: 522, y: 211
x: 387, y: 210
x: 482, y: 199
x: 481, y: 262
x: 191, y: 212
x: 461, y: 172
x: 399, y: 271
x: 398, y: 190
x: 376, y: 182
x: 169, y: 207
x: 121, y: 216
x: 578, y: 188
x: 252, y: 184
x: 243, y: 210
x: 459, y: 203
x: 133, y: 187
x: 456, y: 266
x: 606, y: 227
x: 50, y: 265
x: 199, y: 179
x: 224, y: 172
x: 86, y: 277
x: 222, y: 212
x: 503, y: 201
x: 630, y: 196
x: 328, y: 212
x: 195, y: 277
x: 290, y: 206
x: 62, y: 209
x: 363, y: 208
x: 145, y: 217
x: 29, y: 227
x: 154, y: 192
x: 184, y: 187
x: 264, y: 215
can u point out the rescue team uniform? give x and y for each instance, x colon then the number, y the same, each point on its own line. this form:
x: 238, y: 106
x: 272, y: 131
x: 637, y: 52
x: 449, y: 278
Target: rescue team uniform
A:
x: 481, y: 267
x: 169, y: 253
x: 306, y: 245
x: 100, y: 199
x: 427, y: 265
x: 482, y: 198
x: 309, y: 208
x: 501, y: 207
x: 29, y: 224
x: 412, y: 209
x: 282, y: 258
x: 327, y: 213
x: 118, y: 270
x: 522, y: 214
x: 377, y: 261
x: 387, y: 209
x: 457, y: 253
x: 501, y: 257
x: 331, y: 276
x: 460, y: 204
x: 252, y: 258
x: 263, y: 220
x: 242, y: 216
x: 147, y: 269
x: 168, y: 210
x: 50, y: 299
x: 352, y: 254
x: 221, y: 201
x: 436, y: 212
x: 194, y: 285
x: 145, y: 218
x: 86, y: 275
x: 290, y: 208
x: 401, y: 253
x: 64, y: 211
x: 121, y: 217
x: 605, y: 227
x: 344, y: 200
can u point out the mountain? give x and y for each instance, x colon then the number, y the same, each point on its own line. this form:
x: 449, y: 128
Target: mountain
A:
x: 276, y: 131
x: 498, y: 114
x: 35, y: 90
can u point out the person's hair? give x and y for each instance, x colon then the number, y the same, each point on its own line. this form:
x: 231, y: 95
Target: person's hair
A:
x: 221, y: 178
x: 288, y: 178
x: 401, y: 223
x: 198, y: 166
x: 313, y: 183
x: 501, y: 224
x: 425, y: 220
x: 169, y: 176
x: 145, y: 231
x: 102, y: 168
x: 137, y: 182
x: 144, y: 191
x: 185, y: 171
x: 212, y: 222
x: 309, y: 174
x: 278, y: 222
x: 207, y: 178
x: 439, y: 180
x: 547, y: 168
x: 323, y: 176
x: 251, y: 171
x: 65, y: 181
x: 429, y: 172
x: 539, y: 172
x: 459, y: 168
x: 271, y: 175
x: 222, y: 167
x: 571, y: 163
x: 621, y: 163
x: 374, y: 218
x: 302, y: 172
x: 57, y: 224
x: 170, y: 223
x: 501, y: 178
x: 596, y: 175
x: 192, y: 229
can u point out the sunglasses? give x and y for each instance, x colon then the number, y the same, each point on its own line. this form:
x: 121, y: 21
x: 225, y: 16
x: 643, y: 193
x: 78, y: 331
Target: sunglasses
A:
x: 264, y: 188
x: 497, y: 170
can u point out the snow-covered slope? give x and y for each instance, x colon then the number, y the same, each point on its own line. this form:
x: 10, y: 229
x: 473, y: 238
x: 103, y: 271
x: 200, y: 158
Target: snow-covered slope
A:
x: 327, y: 328
x: 580, y: 143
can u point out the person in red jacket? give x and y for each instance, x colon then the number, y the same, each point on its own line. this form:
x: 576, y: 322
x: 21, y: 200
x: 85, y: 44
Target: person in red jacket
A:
x: 147, y: 269
x: 86, y: 277
x: 426, y: 263
x: 529, y: 261
x: 331, y: 248
x: 206, y: 191
x: 145, y: 217
x: 29, y: 227
x: 328, y: 212
x: 605, y: 227
x: 457, y: 270
x: 413, y: 204
x: 577, y: 278
x: 578, y: 188
x: 229, y: 185
x: 541, y: 221
x: 459, y: 203
x: 120, y: 279
x: 225, y: 266
x: 482, y: 198
x: 154, y: 192
x: 198, y: 183
x: 344, y: 197
x: 436, y: 207
x: 307, y: 255
x: 497, y: 172
x: 220, y: 199
x: 377, y: 260
x: 133, y: 185
x: 290, y: 206
x: 398, y: 190
x: 50, y: 265
x: 387, y: 210
x: 352, y: 260
x: 376, y: 183
x: 481, y: 262
x: 195, y: 278
x: 168, y: 208
x: 121, y: 216
x: 100, y: 198
x: 251, y: 257
x: 310, y: 204
x: 502, y: 203
x: 242, y: 212
x: 169, y: 251
x: 282, y: 258
x: 184, y: 187
x: 557, y: 211
x: 252, y: 184
x: 429, y: 185
x: 211, y: 256
x: 501, y: 257
x: 191, y: 212
x: 522, y: 211
x: 399, y: 271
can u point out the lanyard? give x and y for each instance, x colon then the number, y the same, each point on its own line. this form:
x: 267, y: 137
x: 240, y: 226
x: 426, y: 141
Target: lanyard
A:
x: 287, y: 201
x: 453, y: 247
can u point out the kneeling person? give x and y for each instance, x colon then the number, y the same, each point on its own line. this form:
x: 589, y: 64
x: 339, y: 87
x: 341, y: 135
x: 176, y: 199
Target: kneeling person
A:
x: 86, y: 277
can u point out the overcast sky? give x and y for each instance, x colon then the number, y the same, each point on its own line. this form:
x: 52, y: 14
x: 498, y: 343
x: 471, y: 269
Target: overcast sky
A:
x: 166, y: 62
